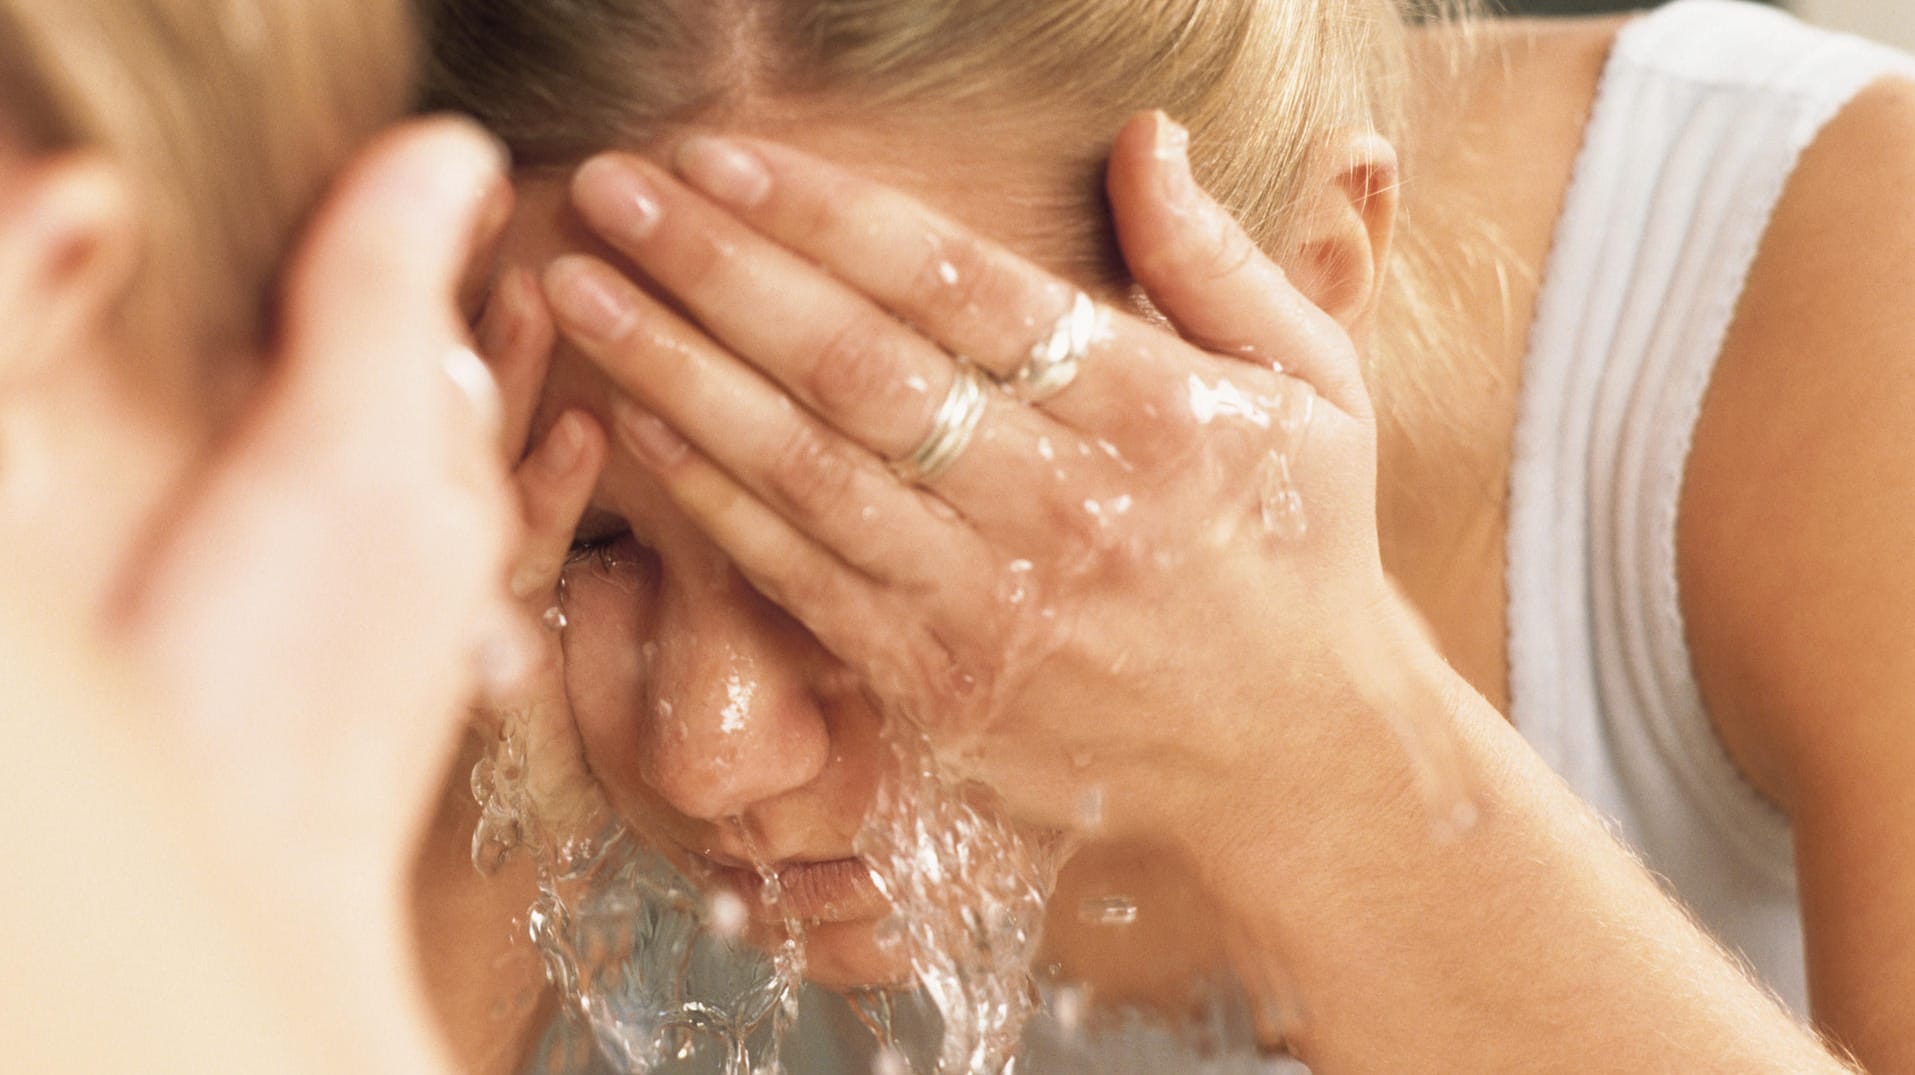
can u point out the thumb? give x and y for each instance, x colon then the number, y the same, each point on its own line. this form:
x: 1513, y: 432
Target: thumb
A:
x: 371, y: 295
x: 1209, y: 278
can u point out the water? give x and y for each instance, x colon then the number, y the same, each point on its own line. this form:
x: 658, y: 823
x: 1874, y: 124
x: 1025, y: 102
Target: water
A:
x: 968, y: 892
x: 659, y: 973
x: 1108, y: 911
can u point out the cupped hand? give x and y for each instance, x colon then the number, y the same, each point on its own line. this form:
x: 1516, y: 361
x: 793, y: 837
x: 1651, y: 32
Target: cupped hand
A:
x: 533, y: 784
x: 1148, y: 579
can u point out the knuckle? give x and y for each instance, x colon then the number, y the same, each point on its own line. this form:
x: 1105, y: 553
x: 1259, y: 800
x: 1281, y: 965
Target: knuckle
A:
x: 1229, y: 248
x: 856, y: 368
x: 812, y: 473
x: 701, y: 262
x: 956, y: 279
x: 820, y: 220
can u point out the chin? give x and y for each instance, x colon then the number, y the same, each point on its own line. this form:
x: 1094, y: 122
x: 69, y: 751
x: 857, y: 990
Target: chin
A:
x: 845, y: 957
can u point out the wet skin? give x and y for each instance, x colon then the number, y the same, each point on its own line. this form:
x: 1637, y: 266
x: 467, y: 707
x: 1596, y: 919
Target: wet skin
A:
x: 718, y: 726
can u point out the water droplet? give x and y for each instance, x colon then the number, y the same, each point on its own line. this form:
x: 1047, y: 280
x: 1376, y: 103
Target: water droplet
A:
x: 1108, y: 911
x: 554, y: 618
x: 948, y: 273
x: 1069, y: 1005
x: 889, y: 1061
x: 1090, y: 809
x: 726, y: 915
x: 1282, y: 504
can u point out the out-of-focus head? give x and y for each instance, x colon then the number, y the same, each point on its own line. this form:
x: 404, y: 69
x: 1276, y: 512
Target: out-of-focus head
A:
x: 156, y: 159
x: 218, y: 122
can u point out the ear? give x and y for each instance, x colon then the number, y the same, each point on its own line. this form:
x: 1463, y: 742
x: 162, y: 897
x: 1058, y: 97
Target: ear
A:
x: 68, y: 250
x: 1340, y: 259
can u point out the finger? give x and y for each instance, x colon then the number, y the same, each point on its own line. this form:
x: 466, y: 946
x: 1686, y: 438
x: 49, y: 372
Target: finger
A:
x: 843, y: 357
x: 830, y: 488
x: 515, y: 335
x: 851, y: 616
x: 866, y: 343
x: 370, y: 296
x: 488, y: 237
x: 555, y: 486
x: 1208, y: 276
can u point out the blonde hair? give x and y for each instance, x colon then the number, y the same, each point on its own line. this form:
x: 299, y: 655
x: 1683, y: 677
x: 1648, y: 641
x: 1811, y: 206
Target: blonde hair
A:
x: 227, y: 117
x: 1265, y: 87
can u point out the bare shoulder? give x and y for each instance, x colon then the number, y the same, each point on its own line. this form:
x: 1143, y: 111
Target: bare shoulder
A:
x: 1795, y: 557
x: 1797, y: 581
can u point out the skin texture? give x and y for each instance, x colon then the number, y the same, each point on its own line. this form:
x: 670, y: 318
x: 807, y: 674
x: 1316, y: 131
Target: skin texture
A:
x: 1498, y: 944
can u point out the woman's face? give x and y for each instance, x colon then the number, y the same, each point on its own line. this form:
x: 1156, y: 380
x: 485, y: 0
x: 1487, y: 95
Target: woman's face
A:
x: 716, y: 723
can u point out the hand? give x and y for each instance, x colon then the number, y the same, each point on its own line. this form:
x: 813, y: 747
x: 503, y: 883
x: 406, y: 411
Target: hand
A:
x: 311, y: 610
x: 1114, y: 584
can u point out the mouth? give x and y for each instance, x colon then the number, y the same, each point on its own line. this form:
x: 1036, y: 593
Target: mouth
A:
x: 835, y: 890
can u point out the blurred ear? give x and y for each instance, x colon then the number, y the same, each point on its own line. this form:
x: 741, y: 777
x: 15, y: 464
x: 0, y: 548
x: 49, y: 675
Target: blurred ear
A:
x: 1340, y: 258
x: 68, y: 249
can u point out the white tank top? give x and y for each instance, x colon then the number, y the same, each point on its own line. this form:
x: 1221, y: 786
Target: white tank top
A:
x: 1703, y: 110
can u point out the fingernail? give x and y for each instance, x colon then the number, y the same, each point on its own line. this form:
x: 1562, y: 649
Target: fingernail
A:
x: 590, y: 299
x: 563, y: 443
x: 650, y: 439
x: 1172, y: 151
x: 725, y: 170
x: 617, y: 199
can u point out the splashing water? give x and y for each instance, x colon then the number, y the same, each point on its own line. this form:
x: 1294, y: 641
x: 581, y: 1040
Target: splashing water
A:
x: 656, y: 976
x: 652, y: 970
x: 968, y: 892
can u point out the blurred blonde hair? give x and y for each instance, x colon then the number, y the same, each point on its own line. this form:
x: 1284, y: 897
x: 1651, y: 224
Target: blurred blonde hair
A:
x: 227, y: 116
x: 1265, y: 86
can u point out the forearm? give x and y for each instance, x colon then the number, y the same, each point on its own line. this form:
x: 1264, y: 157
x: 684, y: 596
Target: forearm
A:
x: 1532, y: 942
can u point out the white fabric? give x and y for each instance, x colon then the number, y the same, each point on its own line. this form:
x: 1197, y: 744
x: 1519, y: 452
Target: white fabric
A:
x: 1703, y: 111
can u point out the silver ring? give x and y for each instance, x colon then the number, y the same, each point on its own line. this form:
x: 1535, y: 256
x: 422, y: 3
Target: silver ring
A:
x: 951, y: 431
x: 1054, y: 362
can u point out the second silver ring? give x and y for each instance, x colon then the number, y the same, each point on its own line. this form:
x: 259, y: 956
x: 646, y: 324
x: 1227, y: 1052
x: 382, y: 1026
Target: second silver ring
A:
x: 952, y: 429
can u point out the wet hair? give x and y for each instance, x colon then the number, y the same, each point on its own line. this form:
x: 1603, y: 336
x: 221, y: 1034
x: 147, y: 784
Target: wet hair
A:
x: 227, y: 117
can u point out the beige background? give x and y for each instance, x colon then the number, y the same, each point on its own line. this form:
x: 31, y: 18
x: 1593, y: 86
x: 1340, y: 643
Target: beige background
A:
x: 1892, y: 21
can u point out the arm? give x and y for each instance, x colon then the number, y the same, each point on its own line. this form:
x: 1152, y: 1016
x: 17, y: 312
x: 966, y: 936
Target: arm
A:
x: 1235, y: 687
x: 1798, y: 586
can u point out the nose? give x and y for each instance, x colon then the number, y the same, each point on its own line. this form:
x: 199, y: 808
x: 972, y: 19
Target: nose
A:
x: 733, y: 719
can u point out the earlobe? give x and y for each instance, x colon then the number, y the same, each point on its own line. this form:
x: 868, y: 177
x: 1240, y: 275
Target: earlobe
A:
x: 68, y: 251
x: 1341, y: 261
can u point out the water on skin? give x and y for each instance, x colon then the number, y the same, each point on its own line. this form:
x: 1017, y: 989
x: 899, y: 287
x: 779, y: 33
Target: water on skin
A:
x: 653, y: 971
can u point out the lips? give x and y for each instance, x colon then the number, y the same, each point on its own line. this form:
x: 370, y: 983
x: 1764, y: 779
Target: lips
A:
x: 838, y: 890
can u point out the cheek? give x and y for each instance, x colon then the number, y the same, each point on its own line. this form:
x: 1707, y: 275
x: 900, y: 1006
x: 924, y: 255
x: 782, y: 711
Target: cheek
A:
x: 609, y: 627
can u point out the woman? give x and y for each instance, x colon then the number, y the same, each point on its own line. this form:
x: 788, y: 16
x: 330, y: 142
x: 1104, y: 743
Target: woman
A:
x: 210, y: 822
x: 1097, y: 581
